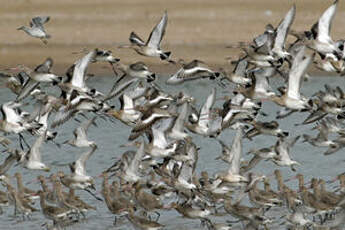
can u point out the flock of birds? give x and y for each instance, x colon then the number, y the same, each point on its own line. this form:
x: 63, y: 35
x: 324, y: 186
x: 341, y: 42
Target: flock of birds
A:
x: 160, y: 174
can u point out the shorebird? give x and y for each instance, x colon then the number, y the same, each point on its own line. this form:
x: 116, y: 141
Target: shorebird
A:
x: 80, y: 134
x: 131, y: 171
x: 10, y: 160
x: 148, y: 201
x: 127, y: 113
x: 13, y: 122
x: 136, y: 70
x: 21, y: 205
x: 265, y: 39
x: 77, y: 103
x: 12, y: 81
x: 252, y: 214
x: 188, y: 211
x: 206, y: 125
x: 227, y: 153
x: 24, y: 191
x: 54, y: 213
x: 36, y: 28
x: 281, y: 34
x: 239, y: 74
x: 142, y: 222
x: 193, y: 70
x: 282, y: 149
x: 323, y: 43
x: 78, y: 167
x: 152, y: 46
x: 116, y: 202
x: 149, y: 117
x: 233, y: 174
x: 105, y: 56
x: 266, y: 128
x: 337, y: 144
x: 41, y: 73
x: 262, y: 198
x: 328, y: 64
x: 292, y: 99
x: 321, y: 140
x: 259, y: 87
x: 76, y: 74
x: 177, y: 131
x: 32, y: 159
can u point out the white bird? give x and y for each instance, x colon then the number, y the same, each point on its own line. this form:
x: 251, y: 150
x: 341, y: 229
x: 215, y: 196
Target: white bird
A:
x: 292, y: 99
x: 36, y: 28
x: 239, y: 74
x: 233, y: 174
x: 131, y: 170
x: 77, y: 73
x: 323, y: 42
x: 227, y: 155
x: 282, y: 32
x: 136, y: 70
x: 193, y: 70
x: 177, y: 131
x: 204, y: 126
x: 80, y: 135
x: 41, y: 74
x: 152, y: 46
x: 78, y: 167
x: 282, y: 150
x: 33, y: 156
x: 13, y: 122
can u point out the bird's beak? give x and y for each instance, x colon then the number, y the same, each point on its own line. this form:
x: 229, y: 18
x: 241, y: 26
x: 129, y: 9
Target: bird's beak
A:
x: 124, y: 46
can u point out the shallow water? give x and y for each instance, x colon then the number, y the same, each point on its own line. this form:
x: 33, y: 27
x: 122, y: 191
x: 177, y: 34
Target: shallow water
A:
x: 109, y: 136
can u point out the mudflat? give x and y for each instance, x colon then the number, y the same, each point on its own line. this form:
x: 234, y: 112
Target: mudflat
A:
x: 197, y: 29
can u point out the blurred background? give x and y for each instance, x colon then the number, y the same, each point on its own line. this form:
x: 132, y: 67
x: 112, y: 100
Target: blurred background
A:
x: 196, y: 28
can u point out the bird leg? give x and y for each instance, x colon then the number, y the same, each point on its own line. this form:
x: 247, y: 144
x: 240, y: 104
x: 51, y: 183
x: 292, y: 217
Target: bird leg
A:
x: 21, y: 140
x: 158, y: 215
x: 57, y: 144
x: 114, y: 70
x: 115, y: 220
x: 44, y: 41
x: 118, y: 80
x: 92, y: 194
x: 15, y: 207
x: 84, y: 115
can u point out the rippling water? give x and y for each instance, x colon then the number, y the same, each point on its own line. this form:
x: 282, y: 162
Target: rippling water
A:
x: 109, y: 136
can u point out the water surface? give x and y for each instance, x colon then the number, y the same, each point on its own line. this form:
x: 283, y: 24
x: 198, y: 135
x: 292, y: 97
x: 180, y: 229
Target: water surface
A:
x: 109, y: 136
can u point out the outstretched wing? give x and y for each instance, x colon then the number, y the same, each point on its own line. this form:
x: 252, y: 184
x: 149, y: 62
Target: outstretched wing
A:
x: 298, y: 68
x: 158, y: 32
x: 325, y: 23
x: 236, y: 151
x: 283, y: 29
x: 78, y: 78
x: 80, y: 164
x: 45, y: 66
x: 204, y: 116
x: 40, y: 20
x: 135, y: 39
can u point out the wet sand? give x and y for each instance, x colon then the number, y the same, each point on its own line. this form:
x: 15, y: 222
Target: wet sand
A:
x: 196, y: 29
